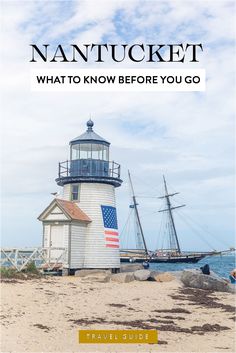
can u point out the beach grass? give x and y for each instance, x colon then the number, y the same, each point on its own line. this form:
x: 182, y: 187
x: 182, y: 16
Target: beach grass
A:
x: 30, y: 271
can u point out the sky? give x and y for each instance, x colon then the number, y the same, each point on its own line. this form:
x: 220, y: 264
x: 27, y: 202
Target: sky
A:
x: 187, y: 136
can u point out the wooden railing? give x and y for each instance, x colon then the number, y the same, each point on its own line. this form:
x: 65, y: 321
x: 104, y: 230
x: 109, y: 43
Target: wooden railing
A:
x: 19, y: 258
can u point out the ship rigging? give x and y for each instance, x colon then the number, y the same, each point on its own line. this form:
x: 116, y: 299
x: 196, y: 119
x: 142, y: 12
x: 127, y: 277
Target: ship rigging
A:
x: 170, y: 254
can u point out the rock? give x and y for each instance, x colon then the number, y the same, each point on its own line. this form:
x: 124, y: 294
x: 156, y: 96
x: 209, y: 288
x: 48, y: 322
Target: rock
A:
x: 65, y: 272
x: 123, y: 277
x: 130, y: 267
x: 142, y: 275
x: 176, y: 274
x: 196, y: 279
x: 164, y: 277
x: 103, y: 278
x: 213, y: 274
x: 153, y: 274
x: 86, y: 273
x: 97, y: 277
x: 94, y: 275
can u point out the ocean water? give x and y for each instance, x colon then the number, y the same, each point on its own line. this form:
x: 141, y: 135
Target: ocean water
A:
x: 222, y: 265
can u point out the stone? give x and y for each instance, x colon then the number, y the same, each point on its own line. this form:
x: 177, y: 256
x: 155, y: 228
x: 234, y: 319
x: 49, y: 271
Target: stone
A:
x: 123, y: 277
x: 97, y: 277
x: 65, y: 272
x: 164, y: 277
x: 130, y: 267
x: 153, y: 274
x: 103, y: 278
x: 86, y: 273
x: 142, y: 275
x: 196, y: 279
x: 176, y: 274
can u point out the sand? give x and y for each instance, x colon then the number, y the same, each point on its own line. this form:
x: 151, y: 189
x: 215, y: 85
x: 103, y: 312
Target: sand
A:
x: 44, y: 315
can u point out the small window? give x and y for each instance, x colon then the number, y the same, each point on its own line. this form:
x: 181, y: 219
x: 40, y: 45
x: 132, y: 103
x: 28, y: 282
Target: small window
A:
x: 105, y: 153
x: 75, y: 151
x: 85, y: 150
x: 74, y: 192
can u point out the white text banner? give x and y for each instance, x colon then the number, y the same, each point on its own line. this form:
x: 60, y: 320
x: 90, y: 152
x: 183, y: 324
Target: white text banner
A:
x: 118, y: 80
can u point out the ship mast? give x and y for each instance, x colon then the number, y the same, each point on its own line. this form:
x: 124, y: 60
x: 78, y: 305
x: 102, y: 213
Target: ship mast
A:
x: 137, y: 214
x: 169, y: 209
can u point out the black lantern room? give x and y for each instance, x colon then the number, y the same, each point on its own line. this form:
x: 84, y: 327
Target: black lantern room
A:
x: 89, y: 161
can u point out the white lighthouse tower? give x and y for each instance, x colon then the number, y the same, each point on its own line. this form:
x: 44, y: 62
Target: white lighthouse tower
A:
x: 84, y: 220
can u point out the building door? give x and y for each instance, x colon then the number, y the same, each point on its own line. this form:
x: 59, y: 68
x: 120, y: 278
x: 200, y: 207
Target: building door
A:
x: 56, y: 241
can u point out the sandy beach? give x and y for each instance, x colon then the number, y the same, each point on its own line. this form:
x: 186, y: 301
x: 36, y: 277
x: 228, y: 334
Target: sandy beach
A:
x: 44, y: 315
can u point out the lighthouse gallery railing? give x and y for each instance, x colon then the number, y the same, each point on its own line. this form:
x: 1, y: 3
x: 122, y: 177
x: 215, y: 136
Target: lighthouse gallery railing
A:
x: 89, y: 167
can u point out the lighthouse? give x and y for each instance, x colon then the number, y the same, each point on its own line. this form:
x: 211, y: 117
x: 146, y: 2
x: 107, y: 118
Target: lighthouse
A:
x: 83, y: 221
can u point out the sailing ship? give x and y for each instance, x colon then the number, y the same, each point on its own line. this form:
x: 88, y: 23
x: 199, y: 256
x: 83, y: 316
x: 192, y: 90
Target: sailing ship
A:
x: 172, y: 254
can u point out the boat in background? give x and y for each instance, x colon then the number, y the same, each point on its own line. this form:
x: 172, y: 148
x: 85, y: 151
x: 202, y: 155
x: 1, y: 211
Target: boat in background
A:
x: 173, y: 253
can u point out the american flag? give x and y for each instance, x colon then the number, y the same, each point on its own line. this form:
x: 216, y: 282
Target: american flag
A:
x: 110, y: 226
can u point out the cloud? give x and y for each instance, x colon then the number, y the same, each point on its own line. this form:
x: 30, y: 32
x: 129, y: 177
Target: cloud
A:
x: 189, y: 136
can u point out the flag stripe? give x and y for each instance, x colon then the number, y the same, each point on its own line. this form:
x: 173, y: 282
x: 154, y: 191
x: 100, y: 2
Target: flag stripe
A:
x: 113, y: 239
x: 112, y: 246
x: 108, y: 232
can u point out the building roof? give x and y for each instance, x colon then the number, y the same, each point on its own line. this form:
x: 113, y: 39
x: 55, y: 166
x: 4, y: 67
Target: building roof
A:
x: 69, y: 208
x: 89, y: 135
x: 73, y: 211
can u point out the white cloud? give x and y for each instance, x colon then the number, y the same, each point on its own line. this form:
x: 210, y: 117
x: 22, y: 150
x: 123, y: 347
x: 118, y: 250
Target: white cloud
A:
x: 188, y: 136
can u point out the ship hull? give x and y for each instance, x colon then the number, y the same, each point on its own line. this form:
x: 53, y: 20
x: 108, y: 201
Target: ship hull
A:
x: 177, y: 259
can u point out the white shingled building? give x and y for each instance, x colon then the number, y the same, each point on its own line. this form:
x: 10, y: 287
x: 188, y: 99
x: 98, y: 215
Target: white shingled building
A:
x: 84, y: 220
